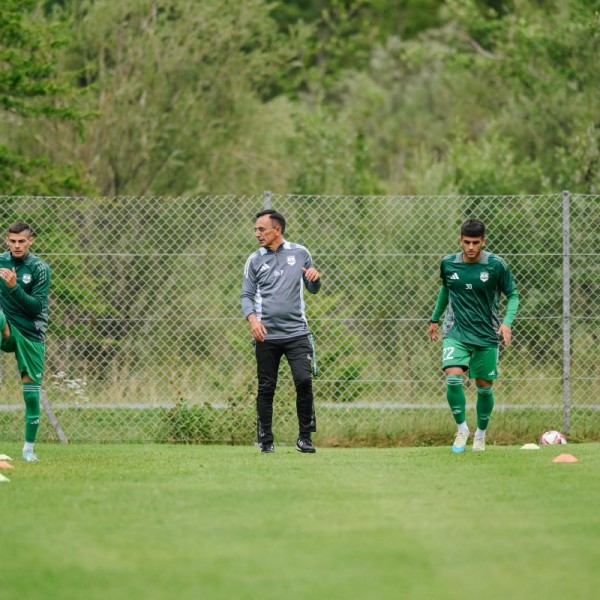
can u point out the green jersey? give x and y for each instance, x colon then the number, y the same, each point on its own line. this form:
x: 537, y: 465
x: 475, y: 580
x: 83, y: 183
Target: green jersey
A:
x: 473, y: 297
x: 26, y: 304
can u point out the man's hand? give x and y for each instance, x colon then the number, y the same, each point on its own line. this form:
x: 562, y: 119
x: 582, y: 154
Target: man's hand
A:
x: 9, y: 276
x: 506, y: 332
x: 258, y: 330
x: 311, y: 274
x: 433, y: 331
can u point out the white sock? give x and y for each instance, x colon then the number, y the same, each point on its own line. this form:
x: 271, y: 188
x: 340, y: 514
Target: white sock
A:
x: 463, y: 427
x: 480, y: 433
x: 28, y: 446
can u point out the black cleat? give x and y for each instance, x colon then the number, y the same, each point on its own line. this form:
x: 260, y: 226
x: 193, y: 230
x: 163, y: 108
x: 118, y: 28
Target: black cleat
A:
x: 305, y: 445
x: 267, y: 448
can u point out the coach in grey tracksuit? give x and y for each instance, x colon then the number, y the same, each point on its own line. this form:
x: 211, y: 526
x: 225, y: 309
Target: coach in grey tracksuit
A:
x: 273, y: 304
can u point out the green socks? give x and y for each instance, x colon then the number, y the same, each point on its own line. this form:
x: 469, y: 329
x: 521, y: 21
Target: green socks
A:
x: 455, y: 393
x: 31, y: 395
x: 485, y: 406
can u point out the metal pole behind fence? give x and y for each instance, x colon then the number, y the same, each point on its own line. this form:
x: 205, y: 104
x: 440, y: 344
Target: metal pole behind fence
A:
x: 267, y: 200
x: 62, y: 438
x: 566, y: 383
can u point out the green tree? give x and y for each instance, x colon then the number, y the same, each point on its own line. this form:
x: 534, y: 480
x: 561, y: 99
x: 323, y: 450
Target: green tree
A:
x: 31, y: 94
x: 501, y: 98
x: 339, y: 35
x: 540, y: 68
x: 179, y: 88
x: 346, y: 97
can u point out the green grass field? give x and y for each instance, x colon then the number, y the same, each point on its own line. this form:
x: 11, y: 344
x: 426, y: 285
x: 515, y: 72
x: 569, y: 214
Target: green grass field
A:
x: 225, y: 522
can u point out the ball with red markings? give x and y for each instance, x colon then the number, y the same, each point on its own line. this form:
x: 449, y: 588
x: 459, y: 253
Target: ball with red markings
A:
x: 553, y: 437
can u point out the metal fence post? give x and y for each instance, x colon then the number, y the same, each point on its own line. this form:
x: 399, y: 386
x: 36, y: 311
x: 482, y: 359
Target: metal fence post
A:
x: 267, y: 200
x: 566, y: 380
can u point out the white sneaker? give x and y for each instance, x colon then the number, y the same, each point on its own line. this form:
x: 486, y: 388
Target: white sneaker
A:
x: 29, y: 456
x: 478, y: 444
x: 460, y: 442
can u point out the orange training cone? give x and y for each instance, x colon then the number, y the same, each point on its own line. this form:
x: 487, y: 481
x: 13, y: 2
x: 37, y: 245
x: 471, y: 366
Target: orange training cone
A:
x: 565, y: 458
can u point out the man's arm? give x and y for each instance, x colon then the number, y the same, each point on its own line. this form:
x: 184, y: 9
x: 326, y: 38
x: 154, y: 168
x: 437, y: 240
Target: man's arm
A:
x: 312, y: 279
x: 310, y: 275
x: 438, y: 311
x: 248, y: 289
x: 509, y: 289
x: 35, y: 303
x: 512, y: 305
x: 257, y: 329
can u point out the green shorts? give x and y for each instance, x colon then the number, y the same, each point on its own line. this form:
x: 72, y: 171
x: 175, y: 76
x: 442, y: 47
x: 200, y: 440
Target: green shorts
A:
x: 29, y: 353
x: 482, y: 363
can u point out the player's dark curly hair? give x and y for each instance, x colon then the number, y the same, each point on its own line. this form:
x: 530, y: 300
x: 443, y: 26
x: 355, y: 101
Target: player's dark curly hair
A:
x: 472, y: 228
x: 275, y: 216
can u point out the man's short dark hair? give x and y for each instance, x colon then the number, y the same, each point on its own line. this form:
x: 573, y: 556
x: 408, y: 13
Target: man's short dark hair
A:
x: 20, y: 227
x: 472, y: 228
x: 275, y: 216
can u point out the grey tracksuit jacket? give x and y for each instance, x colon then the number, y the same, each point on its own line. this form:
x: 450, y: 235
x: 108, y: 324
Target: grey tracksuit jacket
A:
x: 273, y: 289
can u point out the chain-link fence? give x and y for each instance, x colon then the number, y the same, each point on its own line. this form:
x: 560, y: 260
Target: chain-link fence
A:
x: 147, y: 342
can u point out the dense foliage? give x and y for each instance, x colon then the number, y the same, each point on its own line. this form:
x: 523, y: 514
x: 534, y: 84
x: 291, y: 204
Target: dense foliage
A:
x: 347, y: 96
x: 34, y: 95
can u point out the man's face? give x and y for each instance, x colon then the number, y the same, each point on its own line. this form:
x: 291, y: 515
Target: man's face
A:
x: 472, y: 247
x: 267, y: 235
x: 19, y: 243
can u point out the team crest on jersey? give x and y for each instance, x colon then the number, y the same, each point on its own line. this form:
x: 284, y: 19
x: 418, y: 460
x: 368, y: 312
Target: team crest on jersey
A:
x: 484, y: 276
x: 291, y: 260
x: 27, y: 278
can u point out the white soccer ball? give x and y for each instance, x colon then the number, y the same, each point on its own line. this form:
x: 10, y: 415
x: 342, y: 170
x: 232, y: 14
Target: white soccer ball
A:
x: 553, y: 437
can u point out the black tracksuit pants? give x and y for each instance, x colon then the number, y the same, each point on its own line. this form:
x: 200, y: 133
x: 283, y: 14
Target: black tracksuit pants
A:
x: 297, y: 350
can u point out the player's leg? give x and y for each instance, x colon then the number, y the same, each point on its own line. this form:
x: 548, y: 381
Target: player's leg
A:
x: 30, y: 357
x: 484, y: 368
x: 455, y: 362
x: 268, y: 357
x: 31, y: 396
x: 30, y: 361
x: 298, y: 353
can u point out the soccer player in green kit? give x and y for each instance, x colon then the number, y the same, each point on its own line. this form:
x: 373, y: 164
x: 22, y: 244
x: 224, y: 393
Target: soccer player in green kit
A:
x: 24, y: 283
x: 472, y: 281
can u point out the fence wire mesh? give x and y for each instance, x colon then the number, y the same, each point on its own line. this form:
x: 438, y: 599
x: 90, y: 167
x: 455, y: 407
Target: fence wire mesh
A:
x: 147, y: 343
